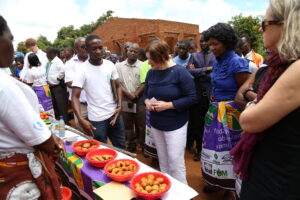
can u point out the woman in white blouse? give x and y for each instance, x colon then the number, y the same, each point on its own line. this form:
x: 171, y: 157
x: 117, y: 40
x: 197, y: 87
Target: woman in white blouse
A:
x: 36, y: 77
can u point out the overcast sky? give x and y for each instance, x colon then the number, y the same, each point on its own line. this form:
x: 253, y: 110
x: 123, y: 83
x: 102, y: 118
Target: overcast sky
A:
x: 31, y: 18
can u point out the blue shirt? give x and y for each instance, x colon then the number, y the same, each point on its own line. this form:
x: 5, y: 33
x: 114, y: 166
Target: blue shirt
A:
x: 224, y: 84
x: 172, y: 84
x: 182, y: 62
x: 17, y: 72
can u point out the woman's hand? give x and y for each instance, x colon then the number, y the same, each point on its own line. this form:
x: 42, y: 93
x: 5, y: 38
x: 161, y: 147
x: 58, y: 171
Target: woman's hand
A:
x: 149, y: 105
x: 162, y: 106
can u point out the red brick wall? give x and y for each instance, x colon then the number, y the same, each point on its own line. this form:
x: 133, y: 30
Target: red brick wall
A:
x: 116, y: 31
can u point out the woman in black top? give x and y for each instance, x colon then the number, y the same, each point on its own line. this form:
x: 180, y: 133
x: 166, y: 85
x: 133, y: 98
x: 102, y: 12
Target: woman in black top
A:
x: 267, y: 157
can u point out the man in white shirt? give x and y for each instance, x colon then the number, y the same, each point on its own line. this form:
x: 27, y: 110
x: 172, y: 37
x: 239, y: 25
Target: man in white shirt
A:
x: 70, y: 68
x: 31, y: 44
x: 55, y: 73
x: 134, y: 112
x: 95, y: 77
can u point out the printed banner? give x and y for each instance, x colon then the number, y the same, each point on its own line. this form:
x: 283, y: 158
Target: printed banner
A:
x: 222, y: 131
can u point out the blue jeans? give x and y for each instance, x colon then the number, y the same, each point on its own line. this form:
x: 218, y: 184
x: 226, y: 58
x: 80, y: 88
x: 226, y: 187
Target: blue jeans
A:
x: 115, y: 133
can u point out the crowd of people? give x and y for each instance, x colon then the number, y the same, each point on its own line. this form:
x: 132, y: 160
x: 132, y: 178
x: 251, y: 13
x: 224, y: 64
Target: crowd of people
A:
x: 234, y: 110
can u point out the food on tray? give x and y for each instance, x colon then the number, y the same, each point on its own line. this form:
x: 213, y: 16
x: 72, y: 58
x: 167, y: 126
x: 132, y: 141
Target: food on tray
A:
x: 44, y: 115
x: 122, y: 168
x: 101, y: 157
x: 86, y: 146
x: 150, y: 185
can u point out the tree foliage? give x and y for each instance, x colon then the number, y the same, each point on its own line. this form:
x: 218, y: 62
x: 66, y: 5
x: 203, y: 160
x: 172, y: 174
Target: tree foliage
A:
x: 43, y: 43
x: 67, y: 34
x: 250, y: 26
x: 21, y: 47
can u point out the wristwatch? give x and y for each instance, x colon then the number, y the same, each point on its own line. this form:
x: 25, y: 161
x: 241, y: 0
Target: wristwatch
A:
x: 118, y: 105
x: 250, y: 103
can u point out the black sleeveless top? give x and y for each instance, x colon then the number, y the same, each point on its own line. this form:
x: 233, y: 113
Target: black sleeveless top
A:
x: 274, y: 172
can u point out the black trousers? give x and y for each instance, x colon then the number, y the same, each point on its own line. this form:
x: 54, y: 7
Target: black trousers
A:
x: 195, y: 130
x: 60, y: 101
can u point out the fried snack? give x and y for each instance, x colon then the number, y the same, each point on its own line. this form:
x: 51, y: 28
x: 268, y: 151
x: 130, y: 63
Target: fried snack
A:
x: 151, y: 185
x: 101, y: 157
x: 132, y: 167
x: 111, y: 167
x: 122, y: 168
x: 86, y: 146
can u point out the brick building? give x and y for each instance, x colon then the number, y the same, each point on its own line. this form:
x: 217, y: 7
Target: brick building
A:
x: 116, y: 31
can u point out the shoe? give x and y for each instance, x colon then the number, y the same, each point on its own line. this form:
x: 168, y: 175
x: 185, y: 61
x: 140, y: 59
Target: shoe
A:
x: 197, y: 157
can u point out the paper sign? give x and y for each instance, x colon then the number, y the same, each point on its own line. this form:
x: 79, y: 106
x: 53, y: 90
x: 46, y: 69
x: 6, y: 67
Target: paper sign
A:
x: 113, y: 191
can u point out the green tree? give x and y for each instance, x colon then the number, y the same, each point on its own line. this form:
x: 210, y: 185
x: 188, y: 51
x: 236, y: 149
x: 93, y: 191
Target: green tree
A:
x: 249, y: 25
x: 43, y: 43
x: 21, y: 47
x: 67, y: 34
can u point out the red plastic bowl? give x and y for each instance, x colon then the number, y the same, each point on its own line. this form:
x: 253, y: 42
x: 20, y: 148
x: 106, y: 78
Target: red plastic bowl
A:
x: 66, y: 193
x: 83, y: 152
x: 137, y: 179
x: 100, y: 152
x: 121, y: 178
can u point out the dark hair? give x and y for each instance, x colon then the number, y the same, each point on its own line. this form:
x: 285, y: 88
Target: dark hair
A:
x: 69, y: 49
x: 185, y: 42
x: 248, y: 39
x: 159, y: 51
x: 19, y: 59
x: 142, y: 55
x: 90, y: 38
x: 52, y: 50
x: 224, y: 33
x: 3, y: 25
x: 34, y: 60
x: 203, y: 33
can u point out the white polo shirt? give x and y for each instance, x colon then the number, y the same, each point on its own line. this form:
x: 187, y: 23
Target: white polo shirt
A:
x: 95, y: 80
x: 20, y: 125
x: 70, y: 68
x: 56, y: 71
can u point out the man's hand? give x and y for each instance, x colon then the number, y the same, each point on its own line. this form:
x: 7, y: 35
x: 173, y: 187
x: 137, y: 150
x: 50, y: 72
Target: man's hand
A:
x: 116, y: 115
x: 162, y: 105
x: 132, y: 96
x: 192, y: 66
x: 88, y: 127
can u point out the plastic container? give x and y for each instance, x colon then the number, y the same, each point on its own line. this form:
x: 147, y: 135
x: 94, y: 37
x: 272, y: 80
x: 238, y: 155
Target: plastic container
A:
x: 61, y: 127
x: 100, y: 152
x: 84, y: 152
x: 121, y: 178
x: 66, y: 193
x: 137, y: 179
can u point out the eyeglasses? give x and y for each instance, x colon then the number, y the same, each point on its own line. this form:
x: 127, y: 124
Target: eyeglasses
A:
x: 82, y: 46
x: 271, y: 22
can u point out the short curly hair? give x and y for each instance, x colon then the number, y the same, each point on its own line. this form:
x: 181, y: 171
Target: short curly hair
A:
x: 224, y: 33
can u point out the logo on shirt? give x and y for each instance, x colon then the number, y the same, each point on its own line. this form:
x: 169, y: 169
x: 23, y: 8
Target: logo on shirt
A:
x: 108, y: 76
x: 38, y: 125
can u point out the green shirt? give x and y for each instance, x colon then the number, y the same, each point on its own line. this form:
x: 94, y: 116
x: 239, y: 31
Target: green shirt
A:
x: 145, y: 67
